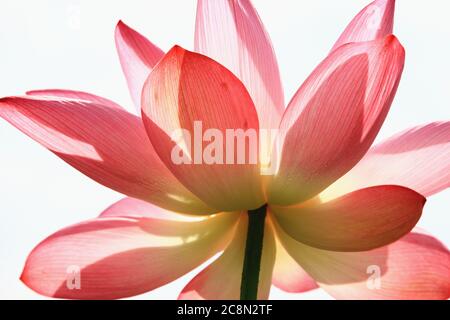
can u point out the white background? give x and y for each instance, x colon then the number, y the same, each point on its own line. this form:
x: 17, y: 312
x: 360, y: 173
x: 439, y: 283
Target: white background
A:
x: 70, y: 44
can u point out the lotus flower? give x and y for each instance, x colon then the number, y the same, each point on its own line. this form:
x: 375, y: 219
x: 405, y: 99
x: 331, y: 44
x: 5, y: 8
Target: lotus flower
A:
x: 335, y: 209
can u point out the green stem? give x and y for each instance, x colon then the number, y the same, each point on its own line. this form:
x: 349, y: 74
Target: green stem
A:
x: 253, y: 252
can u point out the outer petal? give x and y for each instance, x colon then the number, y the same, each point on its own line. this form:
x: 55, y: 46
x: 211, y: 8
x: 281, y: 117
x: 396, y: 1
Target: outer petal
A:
x: 137, y: 56
x: 232, y: 33
x: 417, y: 158
x: 118, y: 257
x: 221, y: 280
x: 131, y: 207
x: 189, y: 91
x: 72, y: 94
x: 359, y: 221
x: 288, y: 275
x: 373, y: 22
x: 415, y: 267
x: 334, y: 117
x: 107, y: 144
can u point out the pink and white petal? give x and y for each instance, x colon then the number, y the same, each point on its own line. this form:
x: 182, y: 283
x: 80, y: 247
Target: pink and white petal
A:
x: 232, y: 33
x: 417, y: 158
x: 113, y: 258
x: 288, y: 275
x: 137, y: 57
x: 72, y: 94
x: 107, y: 144
x: 334, y: 117
x: 132, y: 207
x: 414, y: 267
x: 188, y: 96
x: 362, y: 220
x: 373, y: 22
x: 221, y: 280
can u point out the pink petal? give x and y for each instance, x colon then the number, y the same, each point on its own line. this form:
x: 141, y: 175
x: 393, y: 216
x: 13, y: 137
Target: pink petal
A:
x: 232, y: 33
x: 374, y: 22
x: 131, y: 207
x: 334, y: 117
x: 362, y: 220
x: 137, y: 56
x: 221, y: 280
x: 415, y: 267
x: 107, y: 144
x: 121, y: 257
x: 189, y: 91
x: 417, y: 158
x: 72, y: 94
x: 288, y: 275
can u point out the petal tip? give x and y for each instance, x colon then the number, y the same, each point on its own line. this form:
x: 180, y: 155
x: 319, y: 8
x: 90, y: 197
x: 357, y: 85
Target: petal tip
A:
x: 121, y: 25
x: 392, y: 41
x: 176, y: 51
x: 424, y: 200
x: 25, y: 279
x: 387, y: 6
x: 8, y: 102
x: 177, y: 48
x: 123, y: 30
x: 385, y: 3
x: 421, y: 199
x: 4, y: 99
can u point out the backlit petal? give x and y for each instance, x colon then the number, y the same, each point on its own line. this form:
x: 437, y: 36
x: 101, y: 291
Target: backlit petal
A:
x: 105, y: 143
x: 190, y: 91
x: 373, y: 22
x: 362, y: 220
x: 417, y: 158
x: 232, y: 33
x: 288, y: 275
x: 334, y: 117
x: 112, y: 258
x: 137, y: 56
x: 414, y: 267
